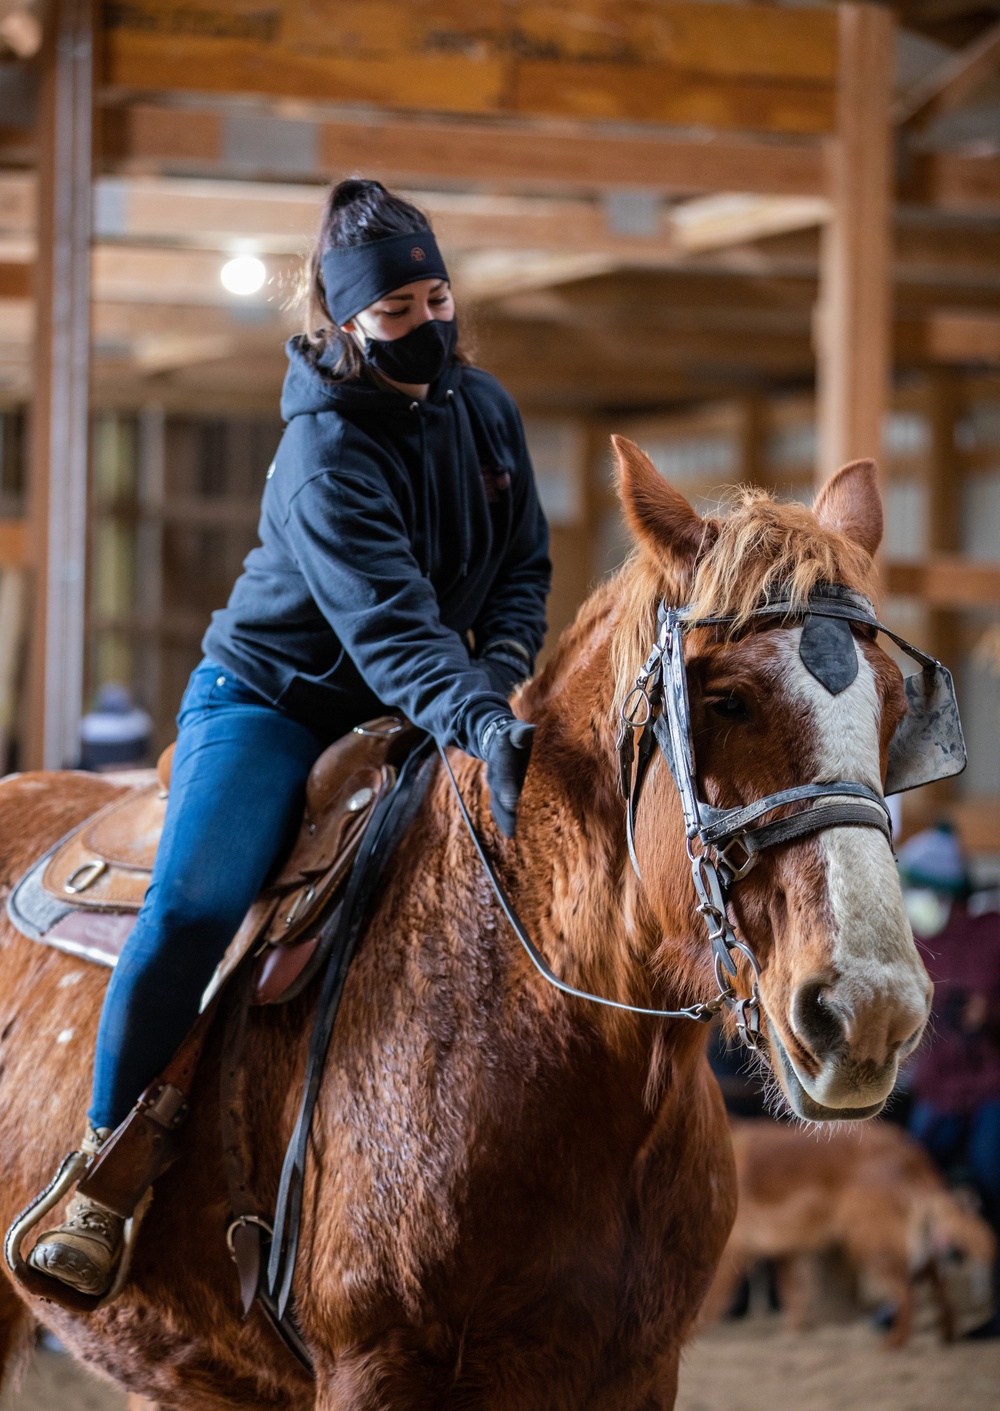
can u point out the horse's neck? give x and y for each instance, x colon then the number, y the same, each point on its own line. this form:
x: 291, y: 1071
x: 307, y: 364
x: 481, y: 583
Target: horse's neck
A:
x: 591, y: 914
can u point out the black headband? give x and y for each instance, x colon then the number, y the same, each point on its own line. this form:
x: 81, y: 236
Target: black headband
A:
x: 356, y: 275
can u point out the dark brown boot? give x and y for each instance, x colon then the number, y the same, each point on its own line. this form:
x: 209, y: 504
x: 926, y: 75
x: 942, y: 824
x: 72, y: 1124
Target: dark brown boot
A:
x: 84, y: 1250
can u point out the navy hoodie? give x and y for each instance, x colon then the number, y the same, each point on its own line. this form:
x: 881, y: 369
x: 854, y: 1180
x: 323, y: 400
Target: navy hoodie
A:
x: 389, y: 530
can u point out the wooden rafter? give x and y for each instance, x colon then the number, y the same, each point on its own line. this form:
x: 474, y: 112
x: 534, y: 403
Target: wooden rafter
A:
x: 493, y: 155
x: 668, y: 62
x: 952, y: 84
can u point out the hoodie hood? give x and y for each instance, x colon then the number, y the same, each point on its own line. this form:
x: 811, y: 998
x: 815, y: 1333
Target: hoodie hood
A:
x: 308, y: 391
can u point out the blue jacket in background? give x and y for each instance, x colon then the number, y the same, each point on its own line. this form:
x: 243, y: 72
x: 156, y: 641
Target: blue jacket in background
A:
x: 389, y: 530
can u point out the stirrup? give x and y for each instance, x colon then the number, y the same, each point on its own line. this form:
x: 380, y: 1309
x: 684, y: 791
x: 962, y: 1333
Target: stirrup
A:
x: 72, y: 1170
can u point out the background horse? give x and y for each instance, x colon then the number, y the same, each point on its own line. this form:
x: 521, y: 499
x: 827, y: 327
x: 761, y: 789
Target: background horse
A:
x: 516, y: 1198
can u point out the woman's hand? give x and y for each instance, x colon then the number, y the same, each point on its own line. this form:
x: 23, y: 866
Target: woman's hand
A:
x: 507, y: 746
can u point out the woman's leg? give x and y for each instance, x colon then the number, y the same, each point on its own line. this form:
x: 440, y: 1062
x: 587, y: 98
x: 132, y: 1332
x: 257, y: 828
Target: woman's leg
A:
x: 236, y: 795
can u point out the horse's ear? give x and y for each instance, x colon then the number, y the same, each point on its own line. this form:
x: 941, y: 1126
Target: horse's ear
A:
x: 850, y: 502
x: 658, y: 516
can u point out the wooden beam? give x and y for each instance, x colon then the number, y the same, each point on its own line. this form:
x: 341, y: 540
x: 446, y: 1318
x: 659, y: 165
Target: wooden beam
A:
x: 18, y: 207
x: 952, y: 84
x: 16, y: 280
x: 494, y: 155
x: 749, y: 68
x: 952, y: 181
x: 13, y: 544
x: 213, y: 213
x: 713, y: 222
x: 282, y: 218
x: 944, y: 522
x: 150, y: 275
x: 963, y: 337
x: 854, y: 306
x: 947, y: 581
x: 58, y: 486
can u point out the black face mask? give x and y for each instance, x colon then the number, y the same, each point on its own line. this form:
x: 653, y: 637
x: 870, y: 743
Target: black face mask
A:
x: 419, y: 356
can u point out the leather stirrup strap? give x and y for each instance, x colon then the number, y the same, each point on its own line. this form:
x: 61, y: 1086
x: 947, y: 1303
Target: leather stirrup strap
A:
x: 392, y: 817
x: 248, y: 1231
x: 145, y: 1143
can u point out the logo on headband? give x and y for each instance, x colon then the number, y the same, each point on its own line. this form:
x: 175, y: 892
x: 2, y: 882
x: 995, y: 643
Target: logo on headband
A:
x: 417, y: 253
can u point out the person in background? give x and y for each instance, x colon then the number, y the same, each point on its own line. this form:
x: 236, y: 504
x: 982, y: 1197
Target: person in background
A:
x: 955, y: 1080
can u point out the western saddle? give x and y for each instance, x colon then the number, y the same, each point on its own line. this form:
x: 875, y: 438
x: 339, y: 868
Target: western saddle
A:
x: 99, y: 873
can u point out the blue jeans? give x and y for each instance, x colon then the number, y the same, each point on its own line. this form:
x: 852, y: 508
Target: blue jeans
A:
x: 971, y: 1141
x: 236, y: 794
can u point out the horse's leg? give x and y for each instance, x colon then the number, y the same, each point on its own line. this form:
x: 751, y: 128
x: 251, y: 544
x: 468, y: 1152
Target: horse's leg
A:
x: 16, y: 1328
x: 797, y: 1289
x: 943, y: 1305
x: 890, y: 1271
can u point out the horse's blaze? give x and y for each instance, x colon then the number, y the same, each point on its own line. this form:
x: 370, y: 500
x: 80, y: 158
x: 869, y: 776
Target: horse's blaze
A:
x: 847, y: 997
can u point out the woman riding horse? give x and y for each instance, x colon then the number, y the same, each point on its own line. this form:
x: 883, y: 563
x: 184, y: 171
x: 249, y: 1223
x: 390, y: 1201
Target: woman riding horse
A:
x: 399, y: 516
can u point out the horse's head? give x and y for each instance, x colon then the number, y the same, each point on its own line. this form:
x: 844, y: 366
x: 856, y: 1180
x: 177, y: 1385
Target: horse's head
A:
x: 843, y: 991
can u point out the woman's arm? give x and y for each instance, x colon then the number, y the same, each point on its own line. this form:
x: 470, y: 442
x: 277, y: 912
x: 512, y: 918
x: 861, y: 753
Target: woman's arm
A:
x: 510, y: 628
x: 353, y: 549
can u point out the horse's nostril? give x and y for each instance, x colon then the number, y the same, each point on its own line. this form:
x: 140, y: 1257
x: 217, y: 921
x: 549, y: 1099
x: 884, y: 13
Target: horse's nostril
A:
x: 912, y: 1039
x: 817, y: 1023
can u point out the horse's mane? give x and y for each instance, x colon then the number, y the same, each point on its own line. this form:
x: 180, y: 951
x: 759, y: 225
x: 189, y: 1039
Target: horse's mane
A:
x: 759, y: 542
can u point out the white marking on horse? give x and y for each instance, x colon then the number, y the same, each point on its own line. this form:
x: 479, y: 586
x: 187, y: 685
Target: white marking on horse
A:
x: 872, y: 948
x: 73, y: 978
x: 65, y: 1036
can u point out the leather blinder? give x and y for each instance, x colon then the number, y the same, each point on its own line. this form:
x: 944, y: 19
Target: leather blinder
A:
x: 828, y: 651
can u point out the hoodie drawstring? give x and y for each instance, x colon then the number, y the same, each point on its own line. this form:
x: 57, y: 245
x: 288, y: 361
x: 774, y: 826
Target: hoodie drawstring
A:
x: 463, y: 489
x: 425, y: 473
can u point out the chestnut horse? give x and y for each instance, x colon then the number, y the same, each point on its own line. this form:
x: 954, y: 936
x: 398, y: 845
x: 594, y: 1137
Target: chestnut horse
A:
x: 515, y: 1198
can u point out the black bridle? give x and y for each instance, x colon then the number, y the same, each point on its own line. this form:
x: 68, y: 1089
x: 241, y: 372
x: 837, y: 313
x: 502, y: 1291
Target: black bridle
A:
x: 927, y: 745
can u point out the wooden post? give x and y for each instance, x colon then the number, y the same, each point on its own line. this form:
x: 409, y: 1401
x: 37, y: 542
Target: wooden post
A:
x: 752, y: 452
x: 60, y: 435
x: 944, y: 531
x: 853, y: 328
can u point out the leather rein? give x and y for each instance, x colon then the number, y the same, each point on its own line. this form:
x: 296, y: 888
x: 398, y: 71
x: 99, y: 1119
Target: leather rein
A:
x: 657, y: 707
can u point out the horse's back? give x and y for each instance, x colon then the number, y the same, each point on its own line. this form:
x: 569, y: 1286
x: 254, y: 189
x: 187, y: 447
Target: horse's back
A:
x: 49, y: 1002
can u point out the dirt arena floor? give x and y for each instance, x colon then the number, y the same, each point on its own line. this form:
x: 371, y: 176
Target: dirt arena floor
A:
x: 750, y: 1366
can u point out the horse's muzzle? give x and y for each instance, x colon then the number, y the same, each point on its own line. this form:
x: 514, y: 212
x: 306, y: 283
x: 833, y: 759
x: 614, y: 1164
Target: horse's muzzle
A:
x: 840, y: 1061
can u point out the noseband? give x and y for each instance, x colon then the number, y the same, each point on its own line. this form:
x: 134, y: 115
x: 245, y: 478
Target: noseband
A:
x: 724, y: 844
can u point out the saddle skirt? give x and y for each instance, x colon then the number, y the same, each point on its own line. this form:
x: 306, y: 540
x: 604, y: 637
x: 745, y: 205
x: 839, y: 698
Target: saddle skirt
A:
x: 84, y: 894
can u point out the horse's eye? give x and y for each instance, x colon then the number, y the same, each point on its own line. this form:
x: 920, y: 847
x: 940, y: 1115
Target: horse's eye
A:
x: 730, y: 708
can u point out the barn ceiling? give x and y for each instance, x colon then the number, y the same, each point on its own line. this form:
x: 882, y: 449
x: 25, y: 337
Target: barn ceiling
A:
x: 608, y: 249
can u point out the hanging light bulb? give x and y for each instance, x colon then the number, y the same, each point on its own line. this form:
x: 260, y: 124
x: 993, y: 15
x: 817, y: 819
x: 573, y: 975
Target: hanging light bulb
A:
x: 243, y: 275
